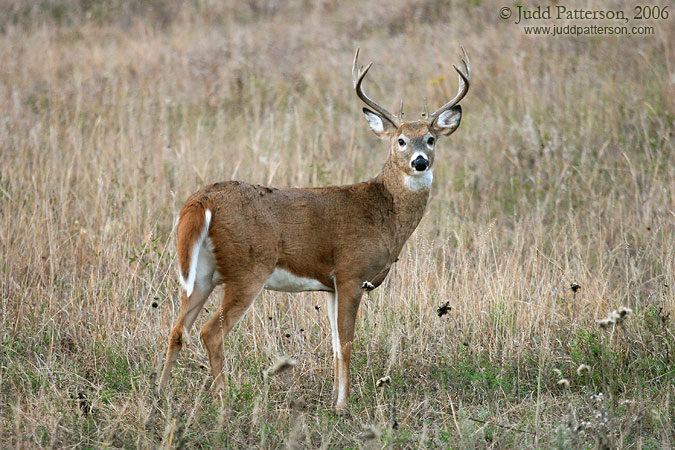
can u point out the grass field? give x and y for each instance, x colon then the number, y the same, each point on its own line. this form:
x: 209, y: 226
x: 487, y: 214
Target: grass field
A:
x: 563, y: 171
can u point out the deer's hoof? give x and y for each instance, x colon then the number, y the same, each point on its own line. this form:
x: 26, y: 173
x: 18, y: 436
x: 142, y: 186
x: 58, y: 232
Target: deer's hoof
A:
x: 218, y: 385
x: 341, y: 410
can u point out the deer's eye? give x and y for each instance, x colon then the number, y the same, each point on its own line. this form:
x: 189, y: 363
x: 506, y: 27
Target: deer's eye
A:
x: 401, y: 142
x: 430, y: 141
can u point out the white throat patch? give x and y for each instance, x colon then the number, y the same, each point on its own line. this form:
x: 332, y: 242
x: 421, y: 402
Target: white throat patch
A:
x: 417, y: 182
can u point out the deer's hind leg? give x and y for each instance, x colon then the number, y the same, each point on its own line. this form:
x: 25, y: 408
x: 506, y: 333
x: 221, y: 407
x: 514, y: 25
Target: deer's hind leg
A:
x: 238, y: 299
x: 189, y: 310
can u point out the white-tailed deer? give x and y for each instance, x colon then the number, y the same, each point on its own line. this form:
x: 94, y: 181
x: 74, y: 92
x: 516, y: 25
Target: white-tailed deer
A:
x: 337, y: 239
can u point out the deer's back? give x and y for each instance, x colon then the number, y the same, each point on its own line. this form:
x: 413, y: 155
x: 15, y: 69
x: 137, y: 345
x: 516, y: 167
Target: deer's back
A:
x: 312, y: 232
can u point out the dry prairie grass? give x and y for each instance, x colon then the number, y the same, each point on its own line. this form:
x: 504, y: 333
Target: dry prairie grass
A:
x: 563, y: 171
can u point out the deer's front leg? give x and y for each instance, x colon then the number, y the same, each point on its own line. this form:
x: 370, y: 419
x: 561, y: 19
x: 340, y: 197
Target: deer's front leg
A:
x: 342, y: 309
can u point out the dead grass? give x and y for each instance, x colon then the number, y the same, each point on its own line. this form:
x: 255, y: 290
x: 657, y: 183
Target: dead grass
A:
x: 563, y: 171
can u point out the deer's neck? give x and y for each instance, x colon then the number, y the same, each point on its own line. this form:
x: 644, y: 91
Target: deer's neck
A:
x: 409, y: 202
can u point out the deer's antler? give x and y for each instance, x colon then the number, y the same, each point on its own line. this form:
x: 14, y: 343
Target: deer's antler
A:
x: 358, y: 76
x: 463, y: 87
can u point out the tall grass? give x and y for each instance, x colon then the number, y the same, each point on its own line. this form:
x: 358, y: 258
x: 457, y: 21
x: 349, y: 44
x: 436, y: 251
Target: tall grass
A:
x: 563, y: 171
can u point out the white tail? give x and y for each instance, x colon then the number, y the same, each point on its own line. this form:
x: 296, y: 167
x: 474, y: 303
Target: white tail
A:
x: 338, y: 239
x: 189, y: 282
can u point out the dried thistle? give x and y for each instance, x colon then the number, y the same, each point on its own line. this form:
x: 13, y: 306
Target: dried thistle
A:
x: 624, y: 312
x: 575, y: 287
x: 383, y: 381
x: 85, y: 406
x: 283, y: 364
x: 443, y: 309
x: 599, y: 397
x: 582, y: 369
x: 606, y: 322
x: 615, y: 317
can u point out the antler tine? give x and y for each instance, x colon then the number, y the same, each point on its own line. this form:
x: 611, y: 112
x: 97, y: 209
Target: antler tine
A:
x: 467, y: 62
x: 358, y: 81
x: 463, y: 86
x: 355, y: 74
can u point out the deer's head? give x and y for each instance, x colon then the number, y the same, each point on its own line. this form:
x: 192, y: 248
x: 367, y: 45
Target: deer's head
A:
x: 412, y: 144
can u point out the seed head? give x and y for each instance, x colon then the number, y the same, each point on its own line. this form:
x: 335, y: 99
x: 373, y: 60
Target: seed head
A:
x: 624, y: 312
x: 443, y: 309
x: 606, y: 322
x: 383, y: 381
x: 367, y: 286
x: 582, y: 369
x: 283, y: 364
x: 564, y: 383
x: 575, y: 286
x: 615, y: 316
x: 599, y: 397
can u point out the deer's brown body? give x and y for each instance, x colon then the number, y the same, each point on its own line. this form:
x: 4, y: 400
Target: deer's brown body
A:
x: 338, y: 239
x: 353, y: 232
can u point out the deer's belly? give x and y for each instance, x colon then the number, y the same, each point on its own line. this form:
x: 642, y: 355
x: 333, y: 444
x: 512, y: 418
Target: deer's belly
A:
x: 284, y: 281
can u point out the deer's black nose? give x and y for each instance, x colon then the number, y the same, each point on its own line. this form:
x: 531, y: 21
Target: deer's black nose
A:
x: 420, y: 163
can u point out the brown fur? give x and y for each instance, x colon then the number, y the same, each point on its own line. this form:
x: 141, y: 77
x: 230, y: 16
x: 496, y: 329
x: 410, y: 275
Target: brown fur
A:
x: 355, y: 231
x: 190, y: 226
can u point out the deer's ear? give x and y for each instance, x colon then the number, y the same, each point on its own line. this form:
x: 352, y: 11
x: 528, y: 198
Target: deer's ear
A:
x: 380, y: 125
x: 447, y: 122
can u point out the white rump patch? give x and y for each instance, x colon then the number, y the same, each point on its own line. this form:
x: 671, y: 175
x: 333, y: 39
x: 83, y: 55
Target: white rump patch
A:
x: 417, y: 182
x: 202, y: 262
x: 284, y: 281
